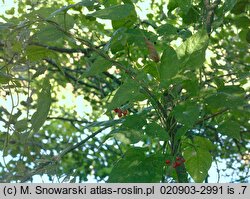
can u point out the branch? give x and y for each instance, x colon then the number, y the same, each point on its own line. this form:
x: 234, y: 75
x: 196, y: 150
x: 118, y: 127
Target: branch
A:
x: 62, y: 50
x: 116, y: 80
x: 73, y: 147
x: 209, y: 17
x: 149, y: 24
x: 57, y: 158
x: 68, y: 119
x: 211, y: 116
x: 69, y: 76
x: 17, y: 141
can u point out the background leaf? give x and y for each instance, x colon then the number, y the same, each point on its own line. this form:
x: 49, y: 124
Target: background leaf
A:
x: 230, y: 128
x: 37, y: 53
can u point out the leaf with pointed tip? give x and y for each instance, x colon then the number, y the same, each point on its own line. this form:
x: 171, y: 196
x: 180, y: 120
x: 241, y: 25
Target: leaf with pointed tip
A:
x: 128, y: 92
x: 169, y: 66
x: 187, y: 113
x: 136, y: 167
x: 100, y: 65
x: 117, y: 12
x: 198, y: 162
x: 155, y: 131
x: 192, y: 51
x: 230, y: 128
x: 43, y: 107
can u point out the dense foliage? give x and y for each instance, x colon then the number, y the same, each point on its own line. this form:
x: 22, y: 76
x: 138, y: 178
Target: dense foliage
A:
x: 90, y: 88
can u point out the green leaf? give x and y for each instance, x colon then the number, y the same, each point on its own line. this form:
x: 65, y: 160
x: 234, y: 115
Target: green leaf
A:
x: 65, y: 21
x: 43, y: 107
x: 127, y: 1
x: 185, y: 5
x: 5, y: 78
x: 223, y: 98
x: 239, y: 7
x: 195, y: 43
x: 169, y: 66
x: 49, y: 33
x: 42, y: 12
x: 129, y: 136
x: 203, y: 143
x: 181, y: 132
x: 10, y: 11
x: 198, y: 162
x: 192, y: 51
x: 187, y: 113
x: 167, y: 29
x: 242, y: 22
x: 172, y: 4
x: 117, y: 12
x: 230, y: 128
x: 126, y: 22
x: 232, y: 89
x: 128, y: 92
x: 134, y: 122
x: 64, y: 9
x: 6, y: 26
x: 136, y: 167
x: 228, y: 5
x: 155, y: 131
x: 21, y: 125
x: 100, y: 65
x: 37, y: 53
x: 118, y: 40
x: 191, y: 86
x: 88, y: 3
x: 136, y: 37
x: 192, y: 16
x: 40, y: 70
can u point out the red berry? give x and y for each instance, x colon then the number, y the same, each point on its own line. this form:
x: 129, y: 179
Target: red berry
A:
x: 116, y: 110
x: 178, y: 163
x: 178, y: 158
x: 119, y: 114
x: 168, y: 161
x: 125, y: 112
x: 174, y: 165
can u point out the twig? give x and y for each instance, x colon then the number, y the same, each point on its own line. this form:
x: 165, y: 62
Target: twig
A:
x: 62, y: 50
x: 211, y: 116
x: 71, y: 76
x: 57, y: 158
x: 72, y: 148
x: 68, y: 119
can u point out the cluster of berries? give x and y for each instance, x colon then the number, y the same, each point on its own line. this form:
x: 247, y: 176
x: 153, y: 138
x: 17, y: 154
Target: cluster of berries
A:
x: 120, y: 112
x: 178, y: 162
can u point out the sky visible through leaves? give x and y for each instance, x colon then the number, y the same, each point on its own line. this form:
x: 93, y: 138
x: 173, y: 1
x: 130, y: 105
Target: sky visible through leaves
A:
x: 69, y: 100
